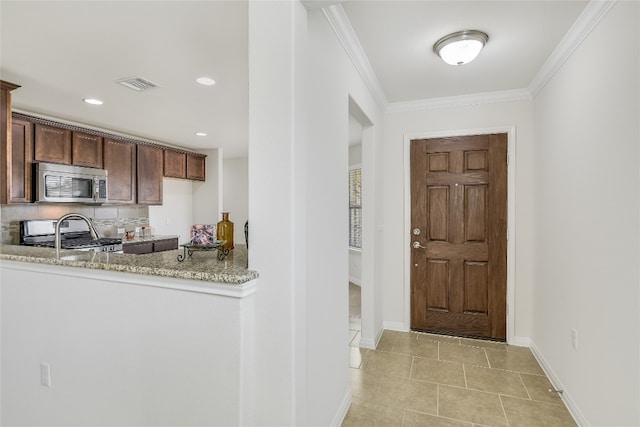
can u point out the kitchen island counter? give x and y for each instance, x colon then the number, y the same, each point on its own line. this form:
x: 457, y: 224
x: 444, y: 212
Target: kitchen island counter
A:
x: 201, y: 267
x: 172, y: 342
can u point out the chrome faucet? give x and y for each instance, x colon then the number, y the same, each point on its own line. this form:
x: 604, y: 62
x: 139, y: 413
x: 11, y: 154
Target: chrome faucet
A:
x: 92, y: 229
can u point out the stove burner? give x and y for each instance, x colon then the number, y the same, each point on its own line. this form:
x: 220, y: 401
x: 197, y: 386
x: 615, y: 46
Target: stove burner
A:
x: 74, y: 238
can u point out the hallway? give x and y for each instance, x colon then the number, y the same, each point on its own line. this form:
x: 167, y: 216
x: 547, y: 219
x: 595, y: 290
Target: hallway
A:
x: 419, y: 379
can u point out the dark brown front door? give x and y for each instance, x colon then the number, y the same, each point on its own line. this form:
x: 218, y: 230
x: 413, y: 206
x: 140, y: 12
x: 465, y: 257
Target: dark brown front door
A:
x: 459, y: 235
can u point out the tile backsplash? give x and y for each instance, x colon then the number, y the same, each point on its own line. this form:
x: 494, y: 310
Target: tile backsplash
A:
x: 107, y: 219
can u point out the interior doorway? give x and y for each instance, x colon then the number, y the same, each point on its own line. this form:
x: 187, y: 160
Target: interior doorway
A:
x: 355, y: 231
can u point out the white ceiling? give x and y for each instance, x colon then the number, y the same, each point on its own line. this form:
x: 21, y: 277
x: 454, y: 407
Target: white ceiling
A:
x: 61, y: 52
x: 398, y: 36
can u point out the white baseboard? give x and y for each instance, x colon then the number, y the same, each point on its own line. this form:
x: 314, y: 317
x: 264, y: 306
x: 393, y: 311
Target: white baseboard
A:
x: 355, y: 281
x: 520, y: 341
x: 575, y: 412
x: 367, y: 343
x: 342, y: 409
x: 373, y: 343
x: 395, y: 326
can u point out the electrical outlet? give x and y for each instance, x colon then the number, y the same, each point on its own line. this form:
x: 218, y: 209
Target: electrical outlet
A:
x: 120, y: 230
x: 138, y: 230
x: 574, y: 338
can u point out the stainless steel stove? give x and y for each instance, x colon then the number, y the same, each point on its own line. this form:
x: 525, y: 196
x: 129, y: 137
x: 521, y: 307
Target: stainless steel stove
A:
x: 74, y: 234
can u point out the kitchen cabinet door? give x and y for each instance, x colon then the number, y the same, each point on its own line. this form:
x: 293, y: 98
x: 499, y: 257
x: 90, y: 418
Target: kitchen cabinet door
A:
x: 196, y: 167
x: 120, y: 162
x: 52, y: 144
x: 21, y: 161
x: 150, y: 170
x: 138, y: 248
x: 175, y: 164
x: 86, y: 150
x: 165, y: 245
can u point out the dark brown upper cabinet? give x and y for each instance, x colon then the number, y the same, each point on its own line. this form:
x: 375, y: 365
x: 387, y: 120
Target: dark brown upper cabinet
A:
x: 52, y: 144
x: 150, y: 171
x: 196, y: 167
x: 5, y: 139
x: 175, y: 164
x: 21, y: 161
x: 120, y: 162
x: 86, y: 150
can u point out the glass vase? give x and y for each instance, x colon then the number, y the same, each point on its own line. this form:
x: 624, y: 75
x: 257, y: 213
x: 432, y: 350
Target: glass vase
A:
x: 224, y: 231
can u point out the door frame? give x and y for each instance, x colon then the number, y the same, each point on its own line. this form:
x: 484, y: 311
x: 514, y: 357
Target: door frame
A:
x: 511, y: 215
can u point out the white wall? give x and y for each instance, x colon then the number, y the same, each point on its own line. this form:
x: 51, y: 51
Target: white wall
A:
x: 587, y: 223
x: 334, y: 84
x: 175, y: 216
x: 397, y: 125
x: 119, y: 353
x: 207, y: 195
x: 235, y: 198
x: 280, y: 301
x: 299, y: 108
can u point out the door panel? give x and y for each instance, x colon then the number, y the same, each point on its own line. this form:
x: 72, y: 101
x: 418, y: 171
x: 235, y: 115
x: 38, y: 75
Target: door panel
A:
x: 438, y: 273
x: 458, y: 200
x: 476, y: 275
x: 475, y: 209
x: 438, y: 213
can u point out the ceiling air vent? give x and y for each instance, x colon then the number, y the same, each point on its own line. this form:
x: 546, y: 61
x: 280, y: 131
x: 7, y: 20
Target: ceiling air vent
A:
x: 136, y: 83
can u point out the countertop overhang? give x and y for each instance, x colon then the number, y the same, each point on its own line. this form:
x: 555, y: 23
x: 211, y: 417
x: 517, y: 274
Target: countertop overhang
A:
x: 202, y: 272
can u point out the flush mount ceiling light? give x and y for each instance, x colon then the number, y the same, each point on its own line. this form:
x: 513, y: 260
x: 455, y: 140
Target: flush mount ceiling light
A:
x: 200, y: 134
x: 93, y: 101
x: 207, y: 81
x: 461, y: 47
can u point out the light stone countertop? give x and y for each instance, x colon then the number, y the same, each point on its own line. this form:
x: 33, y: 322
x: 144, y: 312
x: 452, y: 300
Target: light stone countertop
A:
x: 202, y: 265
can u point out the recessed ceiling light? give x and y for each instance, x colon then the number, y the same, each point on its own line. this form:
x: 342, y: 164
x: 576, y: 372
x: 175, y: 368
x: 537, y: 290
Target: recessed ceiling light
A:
x: 201, y: 134
x: 207, y: 81
x: 93, y: 101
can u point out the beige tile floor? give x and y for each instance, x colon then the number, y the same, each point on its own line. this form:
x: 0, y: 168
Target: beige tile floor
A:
x: 418, y: 379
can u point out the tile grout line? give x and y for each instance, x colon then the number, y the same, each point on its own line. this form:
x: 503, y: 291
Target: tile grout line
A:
x: 524, y: 385
x: 504, y: 410
x: 464, y: 374
x: 411, y: 368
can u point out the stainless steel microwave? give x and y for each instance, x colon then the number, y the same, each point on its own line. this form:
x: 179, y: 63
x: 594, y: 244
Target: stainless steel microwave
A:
x: 55, y: 183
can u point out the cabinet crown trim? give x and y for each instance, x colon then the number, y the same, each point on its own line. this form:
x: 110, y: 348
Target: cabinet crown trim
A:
x: 104, y: 134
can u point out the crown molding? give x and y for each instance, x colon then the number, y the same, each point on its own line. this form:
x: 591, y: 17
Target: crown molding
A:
x: 459, y: 101
x: 318, y: 4
x: 586, y: 22
x: 341, y: 26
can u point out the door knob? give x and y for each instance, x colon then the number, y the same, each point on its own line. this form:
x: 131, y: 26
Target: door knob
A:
x: 417, y: 245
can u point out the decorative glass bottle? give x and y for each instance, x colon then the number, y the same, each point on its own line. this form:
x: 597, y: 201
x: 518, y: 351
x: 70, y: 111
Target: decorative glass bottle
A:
x: 224, y: 231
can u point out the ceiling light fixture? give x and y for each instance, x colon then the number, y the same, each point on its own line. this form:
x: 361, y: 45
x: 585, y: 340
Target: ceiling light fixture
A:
x: 206, y: 81
x: 93, y: 101
x: 200, y: 134
x: 461, y: 47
